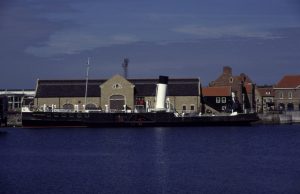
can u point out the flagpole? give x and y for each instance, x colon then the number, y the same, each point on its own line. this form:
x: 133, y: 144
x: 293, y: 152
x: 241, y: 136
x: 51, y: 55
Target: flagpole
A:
x: 86, y: 81
x: 201, y: 99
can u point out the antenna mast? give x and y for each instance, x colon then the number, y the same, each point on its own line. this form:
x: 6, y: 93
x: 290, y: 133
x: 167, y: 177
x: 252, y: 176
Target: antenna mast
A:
x: 125, y: 67
x: 87, y: 80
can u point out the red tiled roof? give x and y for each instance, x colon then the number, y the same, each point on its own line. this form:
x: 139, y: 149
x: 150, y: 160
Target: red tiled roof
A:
x: 289, y: 81
x: 217, y: 91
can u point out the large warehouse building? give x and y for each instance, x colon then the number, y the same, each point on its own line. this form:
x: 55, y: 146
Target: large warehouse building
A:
x: 114, y: 93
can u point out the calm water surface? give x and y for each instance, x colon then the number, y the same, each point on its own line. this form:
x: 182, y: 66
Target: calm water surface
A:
x: 257, y: 159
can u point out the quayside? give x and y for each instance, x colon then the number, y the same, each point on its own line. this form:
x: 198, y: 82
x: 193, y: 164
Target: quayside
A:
x: 161, y: 115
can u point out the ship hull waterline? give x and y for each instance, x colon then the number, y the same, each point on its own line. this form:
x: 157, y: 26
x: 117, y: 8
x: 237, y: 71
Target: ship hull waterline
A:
x: 161, y: 119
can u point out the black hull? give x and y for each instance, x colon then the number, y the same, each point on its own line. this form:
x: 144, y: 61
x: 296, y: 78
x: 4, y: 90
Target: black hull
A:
x: 160, y: 119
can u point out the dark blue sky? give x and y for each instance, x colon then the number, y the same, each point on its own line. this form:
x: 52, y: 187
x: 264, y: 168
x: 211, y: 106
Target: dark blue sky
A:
x: 52, y: 39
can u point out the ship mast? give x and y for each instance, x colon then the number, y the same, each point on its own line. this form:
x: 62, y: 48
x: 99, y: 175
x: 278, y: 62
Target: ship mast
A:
x: 86, y: 81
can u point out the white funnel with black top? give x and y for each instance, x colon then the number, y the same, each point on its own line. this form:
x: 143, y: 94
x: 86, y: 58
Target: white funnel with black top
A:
x: 161, y: 92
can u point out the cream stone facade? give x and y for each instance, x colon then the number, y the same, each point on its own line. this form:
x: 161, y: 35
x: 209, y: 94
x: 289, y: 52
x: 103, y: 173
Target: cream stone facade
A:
x: 117, y: 85
x: 114, y: 93
x: 61, y: 102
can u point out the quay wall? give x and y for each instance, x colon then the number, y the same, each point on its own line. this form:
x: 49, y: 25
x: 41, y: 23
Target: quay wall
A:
x: 14, y: 119
x: 280, y: 118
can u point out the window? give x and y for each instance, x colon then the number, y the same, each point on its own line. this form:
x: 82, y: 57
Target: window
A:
x: 224, y: 100
x: 192, y: 107
x: 91, y: 107
x: 68, y: 106
x: 231, y: 80
x: 218, y: 100
x: 183, y: 108
x: 290, y: 106
x: 290, y: 95
x: 281, y: 95
x: 117, y: 86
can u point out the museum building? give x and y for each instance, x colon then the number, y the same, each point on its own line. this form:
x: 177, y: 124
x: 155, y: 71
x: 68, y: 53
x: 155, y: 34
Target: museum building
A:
x: 115, y: 94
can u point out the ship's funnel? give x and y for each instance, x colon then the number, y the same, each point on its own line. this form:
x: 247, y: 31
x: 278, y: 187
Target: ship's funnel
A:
x: 161, y: 91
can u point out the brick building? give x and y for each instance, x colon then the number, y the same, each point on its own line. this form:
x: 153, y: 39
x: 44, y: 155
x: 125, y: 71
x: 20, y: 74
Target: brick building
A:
x: 287, y: 93
x: 265, y: 99
x: 241, y: 85
x: 217, y: 97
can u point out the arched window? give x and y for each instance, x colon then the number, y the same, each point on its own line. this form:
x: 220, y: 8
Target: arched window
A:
x: 290, y: 106
x: 68, y: 106
x: 90, y: 107
x: 281, y: 106
x: 116, y: 102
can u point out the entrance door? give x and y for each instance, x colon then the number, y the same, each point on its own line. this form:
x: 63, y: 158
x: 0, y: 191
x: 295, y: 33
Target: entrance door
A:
x: 116, y: 102
x: 290, y: 107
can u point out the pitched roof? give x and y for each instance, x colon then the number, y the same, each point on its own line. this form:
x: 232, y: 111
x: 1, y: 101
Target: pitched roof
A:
x: 227, y: 79
x: 176, y: 87
x: 67, y: 88
x: 266, y: 91
x: 289, y: 81
x: 217, y: 91
x: 143, y: 87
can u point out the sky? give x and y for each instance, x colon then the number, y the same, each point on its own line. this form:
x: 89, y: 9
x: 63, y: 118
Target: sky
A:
x: 52, y: 39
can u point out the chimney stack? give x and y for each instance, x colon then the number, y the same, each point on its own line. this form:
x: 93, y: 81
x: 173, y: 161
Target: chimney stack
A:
x: 227, y: 70
x: 161, y: 93
x: 125, y: 67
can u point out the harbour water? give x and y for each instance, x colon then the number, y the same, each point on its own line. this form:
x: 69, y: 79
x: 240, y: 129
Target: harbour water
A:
x: 253, y: 159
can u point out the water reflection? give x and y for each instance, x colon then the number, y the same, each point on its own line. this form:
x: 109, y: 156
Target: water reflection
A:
x: 261, y: 159
x: 161, y: 158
